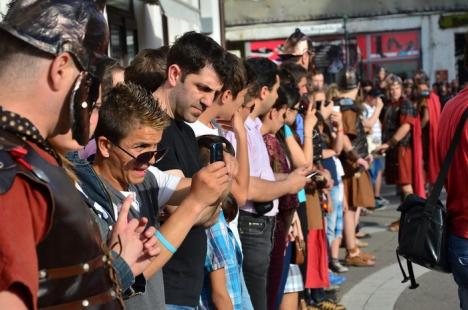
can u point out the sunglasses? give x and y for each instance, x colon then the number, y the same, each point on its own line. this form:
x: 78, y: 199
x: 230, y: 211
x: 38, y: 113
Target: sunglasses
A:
x: 145, y: 158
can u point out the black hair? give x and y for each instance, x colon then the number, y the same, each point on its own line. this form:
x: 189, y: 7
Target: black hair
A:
x: 194, y: 51
x: 291, y: 73
x: 288, y: 95
x: 265, y: 71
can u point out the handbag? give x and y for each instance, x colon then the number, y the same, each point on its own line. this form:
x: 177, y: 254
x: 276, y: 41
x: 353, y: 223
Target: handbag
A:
x: 422, y: 237
x: 299, y: 251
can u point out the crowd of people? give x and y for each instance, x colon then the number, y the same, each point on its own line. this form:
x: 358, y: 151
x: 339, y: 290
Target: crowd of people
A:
x: 191, y: 179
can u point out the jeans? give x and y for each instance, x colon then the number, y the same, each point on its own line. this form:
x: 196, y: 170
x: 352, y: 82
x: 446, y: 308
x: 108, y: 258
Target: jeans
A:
x: 246, y: 302
x: 458, y: 258
x: 256, y: 233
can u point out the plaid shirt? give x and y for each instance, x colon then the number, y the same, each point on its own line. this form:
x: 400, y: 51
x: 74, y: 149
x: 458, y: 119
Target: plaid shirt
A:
x: 223, y: 251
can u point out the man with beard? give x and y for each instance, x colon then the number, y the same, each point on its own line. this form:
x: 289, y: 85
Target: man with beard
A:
x: 195, y: 74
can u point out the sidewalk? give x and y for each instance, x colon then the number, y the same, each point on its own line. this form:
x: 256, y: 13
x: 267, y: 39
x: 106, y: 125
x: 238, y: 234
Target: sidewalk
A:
x: 380, y: 287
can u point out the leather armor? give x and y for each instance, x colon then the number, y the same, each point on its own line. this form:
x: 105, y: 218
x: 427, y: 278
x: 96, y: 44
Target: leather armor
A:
x: 75, y: 270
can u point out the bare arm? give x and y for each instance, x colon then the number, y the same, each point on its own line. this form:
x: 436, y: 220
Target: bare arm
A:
x: 240, y: 185
x: 262, y: 190
x: 181, y: 192
x: 298, y: 155
x: 219, y: 292
x: 369, y: 122
x: 207, y: 186
x: 402, y: 132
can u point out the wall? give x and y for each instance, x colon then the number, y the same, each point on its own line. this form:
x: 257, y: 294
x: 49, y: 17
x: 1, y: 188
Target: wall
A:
x: 149, y: 23
x: 3, y: 5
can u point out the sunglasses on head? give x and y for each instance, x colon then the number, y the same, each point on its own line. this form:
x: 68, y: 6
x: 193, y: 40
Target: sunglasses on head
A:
x: 145, y: 158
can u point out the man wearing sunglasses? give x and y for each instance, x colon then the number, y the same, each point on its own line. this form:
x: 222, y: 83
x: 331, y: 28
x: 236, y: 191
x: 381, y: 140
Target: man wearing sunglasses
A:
x: 50, y: 246
x: 129, y: 129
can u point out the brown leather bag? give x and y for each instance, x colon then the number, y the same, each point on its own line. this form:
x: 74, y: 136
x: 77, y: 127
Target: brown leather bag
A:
x: 300, y: 251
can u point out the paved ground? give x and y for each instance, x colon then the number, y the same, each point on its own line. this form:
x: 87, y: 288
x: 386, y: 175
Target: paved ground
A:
x: 380, y: 287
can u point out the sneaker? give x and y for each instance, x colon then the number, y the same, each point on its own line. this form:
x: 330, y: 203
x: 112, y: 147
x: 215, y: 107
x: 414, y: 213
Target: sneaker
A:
x: 336, y: 279
x: 330, y: 305
x: 382, y: 201
x: 336, y: 266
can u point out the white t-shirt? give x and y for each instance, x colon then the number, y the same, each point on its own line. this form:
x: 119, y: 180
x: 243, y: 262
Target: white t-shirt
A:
x: 201, y: 129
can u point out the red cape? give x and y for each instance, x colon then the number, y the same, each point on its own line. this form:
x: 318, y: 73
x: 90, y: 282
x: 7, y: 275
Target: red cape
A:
x: 434, y: 115
x: 418, y: 163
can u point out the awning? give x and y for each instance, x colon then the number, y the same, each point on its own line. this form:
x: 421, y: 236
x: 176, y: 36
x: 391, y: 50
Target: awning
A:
x: 248, y: 12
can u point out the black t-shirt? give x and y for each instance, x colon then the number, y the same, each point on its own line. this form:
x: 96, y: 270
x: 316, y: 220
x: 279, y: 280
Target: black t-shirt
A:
x: 183, y: 274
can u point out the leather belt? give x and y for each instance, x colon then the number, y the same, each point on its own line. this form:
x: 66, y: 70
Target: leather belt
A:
x: 99, y: 299
x: 74, y: 270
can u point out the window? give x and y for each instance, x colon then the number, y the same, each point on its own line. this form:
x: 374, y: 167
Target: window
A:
x: 123, y: 31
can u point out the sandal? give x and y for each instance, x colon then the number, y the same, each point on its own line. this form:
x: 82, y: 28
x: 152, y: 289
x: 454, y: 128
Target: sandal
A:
x: 356, y: 251
x: 394, y: 226
x: 359, y: 261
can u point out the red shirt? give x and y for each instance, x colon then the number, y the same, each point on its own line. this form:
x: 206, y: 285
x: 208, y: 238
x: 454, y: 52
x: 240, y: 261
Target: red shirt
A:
x: 24, y: 217
x: 456, y: 182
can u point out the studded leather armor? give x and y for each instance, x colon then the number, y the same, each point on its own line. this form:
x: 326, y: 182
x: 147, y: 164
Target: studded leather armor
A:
x: 75, y: 269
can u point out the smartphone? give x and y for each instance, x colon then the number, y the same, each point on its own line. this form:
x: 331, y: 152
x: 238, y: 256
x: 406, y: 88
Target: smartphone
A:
x: 336, y: 108
x: 318, y: 104
x: 216, y: 152
x: 312, y: 174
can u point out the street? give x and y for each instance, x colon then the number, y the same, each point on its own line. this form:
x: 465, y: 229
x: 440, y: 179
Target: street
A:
x: 380, y: 287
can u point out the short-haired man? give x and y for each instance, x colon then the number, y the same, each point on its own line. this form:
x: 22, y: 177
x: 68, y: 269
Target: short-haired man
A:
x: 257, y: 216
x: 403, y: 161
x: 195, y: 74
x: 130, y: 126
x: 317, y: 81
x: 148, y: 68
x: 51, y: 249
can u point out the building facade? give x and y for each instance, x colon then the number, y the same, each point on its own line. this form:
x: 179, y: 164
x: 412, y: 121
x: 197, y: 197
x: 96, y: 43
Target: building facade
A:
x: 139, y: 24
x: 428, y: 38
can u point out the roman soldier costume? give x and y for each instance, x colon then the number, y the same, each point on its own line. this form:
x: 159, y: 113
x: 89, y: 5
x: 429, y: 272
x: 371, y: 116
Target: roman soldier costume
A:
x: 51, y: 248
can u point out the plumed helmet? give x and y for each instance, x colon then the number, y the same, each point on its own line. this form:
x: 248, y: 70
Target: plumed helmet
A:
x: 57, y: 26
x: 296, y: 45
x: 347, y: 79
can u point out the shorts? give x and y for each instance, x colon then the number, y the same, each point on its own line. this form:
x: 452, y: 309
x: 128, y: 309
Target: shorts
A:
x: 376, y: 166
x: 335, y: 218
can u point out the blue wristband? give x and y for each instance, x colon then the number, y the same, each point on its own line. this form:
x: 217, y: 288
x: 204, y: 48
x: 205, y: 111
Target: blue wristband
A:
x: 164, y: 242
x: 287, y: 131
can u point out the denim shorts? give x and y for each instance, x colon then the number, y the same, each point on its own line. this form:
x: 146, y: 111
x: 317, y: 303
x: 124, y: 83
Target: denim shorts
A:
x: 335, y: 218
x: 376, y: 166
x: 458, y: 258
